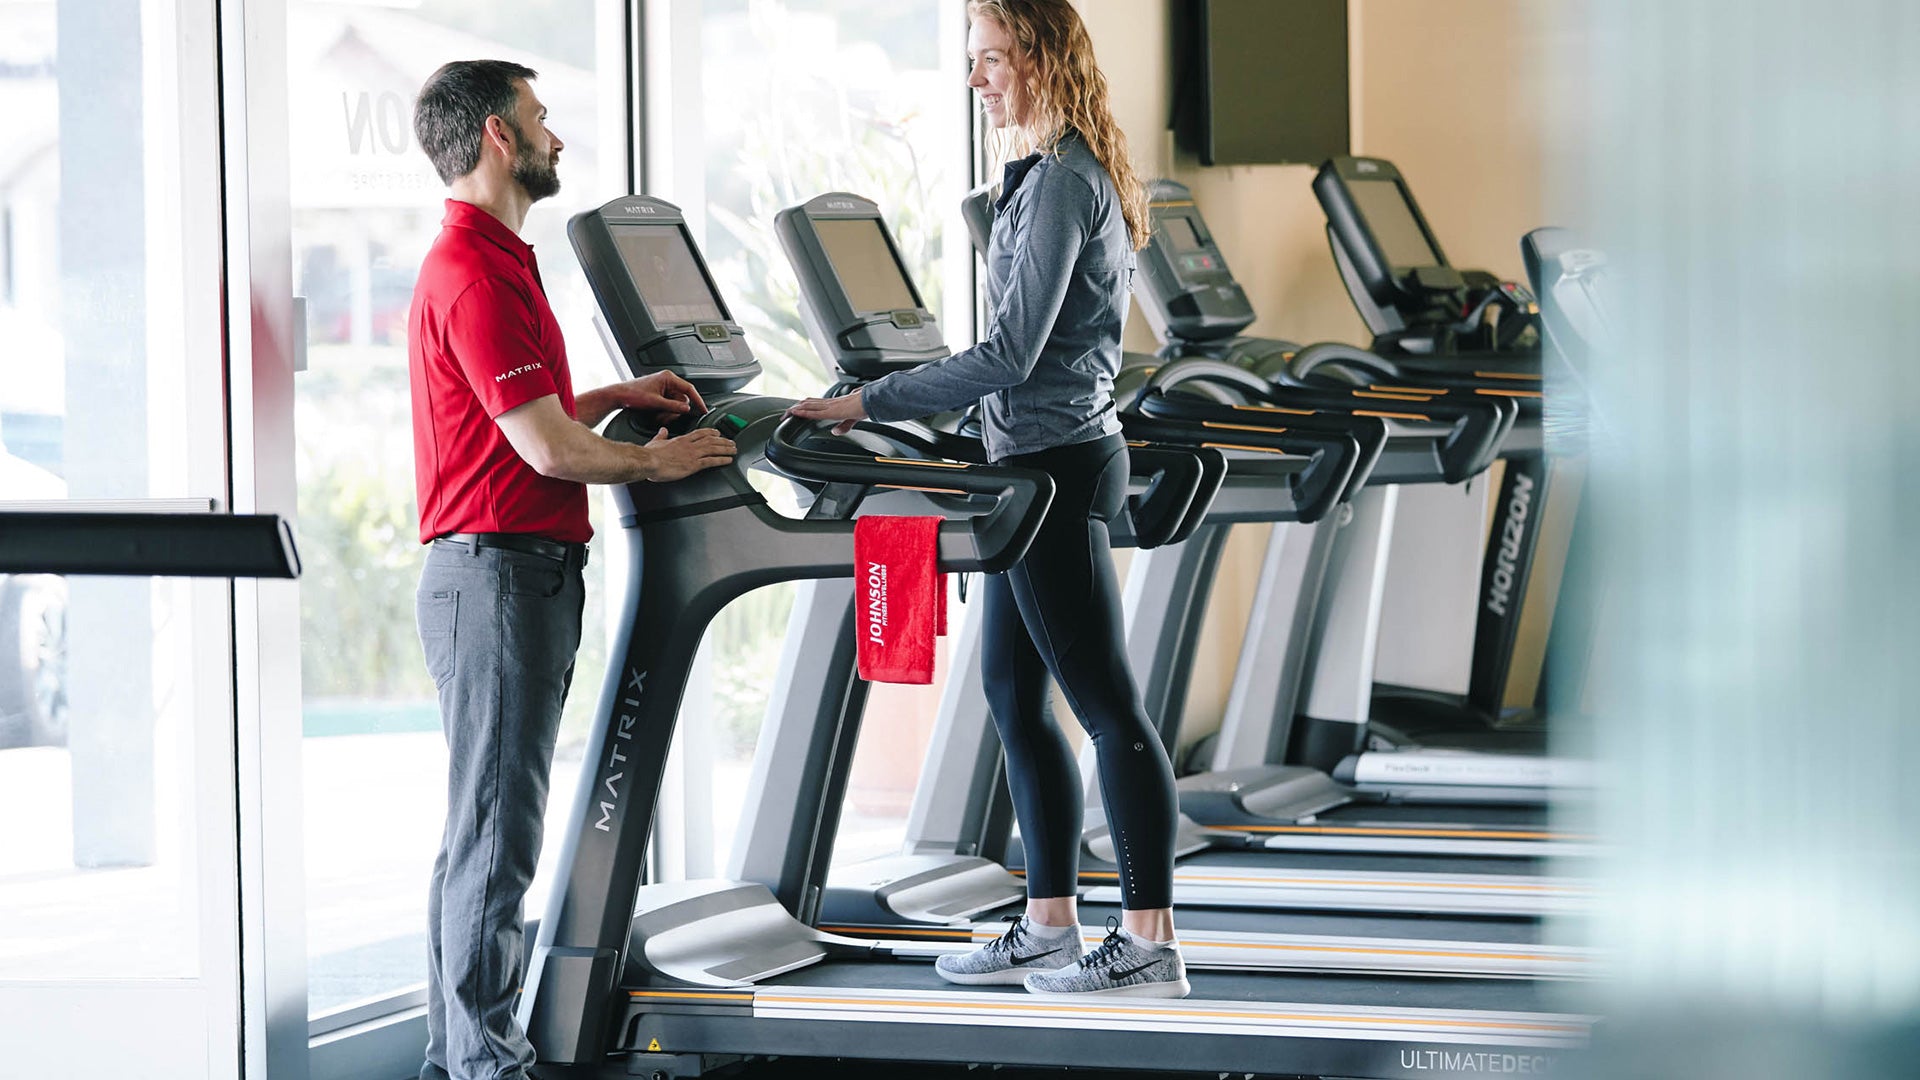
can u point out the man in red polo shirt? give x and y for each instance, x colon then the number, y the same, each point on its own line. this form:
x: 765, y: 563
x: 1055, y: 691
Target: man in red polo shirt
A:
x: 503, y: 452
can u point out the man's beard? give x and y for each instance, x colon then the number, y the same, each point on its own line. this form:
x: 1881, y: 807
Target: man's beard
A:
x: 541, y: 179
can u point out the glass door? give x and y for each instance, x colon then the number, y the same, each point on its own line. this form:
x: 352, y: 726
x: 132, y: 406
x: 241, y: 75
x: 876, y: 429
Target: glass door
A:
x: 119, y: 871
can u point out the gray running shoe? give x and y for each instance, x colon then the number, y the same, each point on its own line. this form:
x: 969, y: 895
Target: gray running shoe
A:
x: 1009, y: 958
x: 1120, y: 967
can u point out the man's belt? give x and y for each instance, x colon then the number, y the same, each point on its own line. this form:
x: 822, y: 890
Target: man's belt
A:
x: 563, y: 551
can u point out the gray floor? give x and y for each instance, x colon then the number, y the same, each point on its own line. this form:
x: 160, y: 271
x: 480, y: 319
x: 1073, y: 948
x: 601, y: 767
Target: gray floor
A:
x: 339, y: 978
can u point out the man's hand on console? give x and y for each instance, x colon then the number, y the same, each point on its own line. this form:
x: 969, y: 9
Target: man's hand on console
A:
x: 663, y: 396
x: 678, y: 458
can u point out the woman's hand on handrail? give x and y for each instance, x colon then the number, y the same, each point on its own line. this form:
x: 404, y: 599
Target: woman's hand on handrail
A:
x: 843, y: 411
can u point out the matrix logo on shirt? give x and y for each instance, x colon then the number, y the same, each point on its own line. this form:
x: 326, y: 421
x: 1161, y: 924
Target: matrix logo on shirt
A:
x: 522, y: 369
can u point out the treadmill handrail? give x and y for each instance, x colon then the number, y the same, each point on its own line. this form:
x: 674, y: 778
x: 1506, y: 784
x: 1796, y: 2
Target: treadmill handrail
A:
x: 1181, y: 486
x: 1332, y: 457
x: 1480, y: 424
x: 1181, y: 481
x: 1338, y: 352
x: 147, y: 544
x: 932, y: 441
x: 1369, y: 433
x: 1179, y: 369
x: 1476, y: 427
x: 1000, y: 537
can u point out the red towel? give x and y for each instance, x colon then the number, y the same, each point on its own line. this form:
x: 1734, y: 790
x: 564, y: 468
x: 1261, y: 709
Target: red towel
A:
x: 900, y: 597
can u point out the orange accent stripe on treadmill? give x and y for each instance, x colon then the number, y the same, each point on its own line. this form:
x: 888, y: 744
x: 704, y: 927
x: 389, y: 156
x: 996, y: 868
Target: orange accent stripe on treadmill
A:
x: 1356, y: 950
x: 1356, y: 830
x: 1392, y: 415
x: 1223, y: 425
x: 1273, y: 409
x: 745, y: 996
x: 915, y: 933
x: 1237, y: 446
x: 1226, y: 879
x: 1219, y: 1014
x: 1511, y: 393
x: 1529, y: 376
x: 1402, y: 396
x: 934, y: 490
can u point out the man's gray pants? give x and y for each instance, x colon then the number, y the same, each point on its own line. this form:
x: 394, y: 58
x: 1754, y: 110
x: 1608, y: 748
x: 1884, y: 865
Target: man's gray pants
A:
x: 499, y: 629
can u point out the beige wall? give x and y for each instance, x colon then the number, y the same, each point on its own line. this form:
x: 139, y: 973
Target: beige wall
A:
x: 1442, y: 88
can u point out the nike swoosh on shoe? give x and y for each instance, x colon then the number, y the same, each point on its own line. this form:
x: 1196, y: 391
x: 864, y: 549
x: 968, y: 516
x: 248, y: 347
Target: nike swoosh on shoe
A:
x: 1127, y: 973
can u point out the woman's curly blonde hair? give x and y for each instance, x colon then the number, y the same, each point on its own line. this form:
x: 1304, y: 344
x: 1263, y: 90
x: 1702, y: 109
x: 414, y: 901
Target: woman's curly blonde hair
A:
x: 1065, y: 92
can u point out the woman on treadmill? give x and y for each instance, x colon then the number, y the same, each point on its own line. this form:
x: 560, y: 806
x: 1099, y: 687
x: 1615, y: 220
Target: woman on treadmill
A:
x: 1070, y: 215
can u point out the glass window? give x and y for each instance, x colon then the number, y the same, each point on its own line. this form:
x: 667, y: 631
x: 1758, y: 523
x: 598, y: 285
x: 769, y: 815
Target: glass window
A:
x: 797, y: 98
x: 366, y: 207
x: 785, y: 100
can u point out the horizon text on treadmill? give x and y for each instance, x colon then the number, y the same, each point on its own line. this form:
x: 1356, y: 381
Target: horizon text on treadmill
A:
x: 1511, y: 533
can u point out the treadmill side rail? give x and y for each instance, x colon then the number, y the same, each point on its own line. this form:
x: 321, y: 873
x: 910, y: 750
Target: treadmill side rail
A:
x: 1414, y: 768
x: 1313, y: 1038
x: 1464, y: 894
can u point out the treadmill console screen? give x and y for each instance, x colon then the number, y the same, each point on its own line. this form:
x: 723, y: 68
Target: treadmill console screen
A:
x: 1189, y: 254
x: 1384, y: 206
x: 1184, y: 286
x: 865, y: 264
x: 1180, y: 231
x: 666, y: 275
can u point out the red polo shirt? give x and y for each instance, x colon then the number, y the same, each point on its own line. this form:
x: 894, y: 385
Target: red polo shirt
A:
x: 481, y: 340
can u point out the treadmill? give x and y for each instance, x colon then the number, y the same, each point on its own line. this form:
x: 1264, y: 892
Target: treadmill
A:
x: 1444, y: 325
x: 1308, y: 652
x: 959, y: 832
x: 960, y: 808
x: 1571, y: 282
x: 1198, y: 311
x: 866, y: 318
x: 672, y: 979
x: 1573, y: 285
x: 855, y: 294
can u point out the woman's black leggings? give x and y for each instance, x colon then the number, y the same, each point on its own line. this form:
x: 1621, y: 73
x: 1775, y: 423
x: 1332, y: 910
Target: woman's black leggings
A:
x: 1058, y: 612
